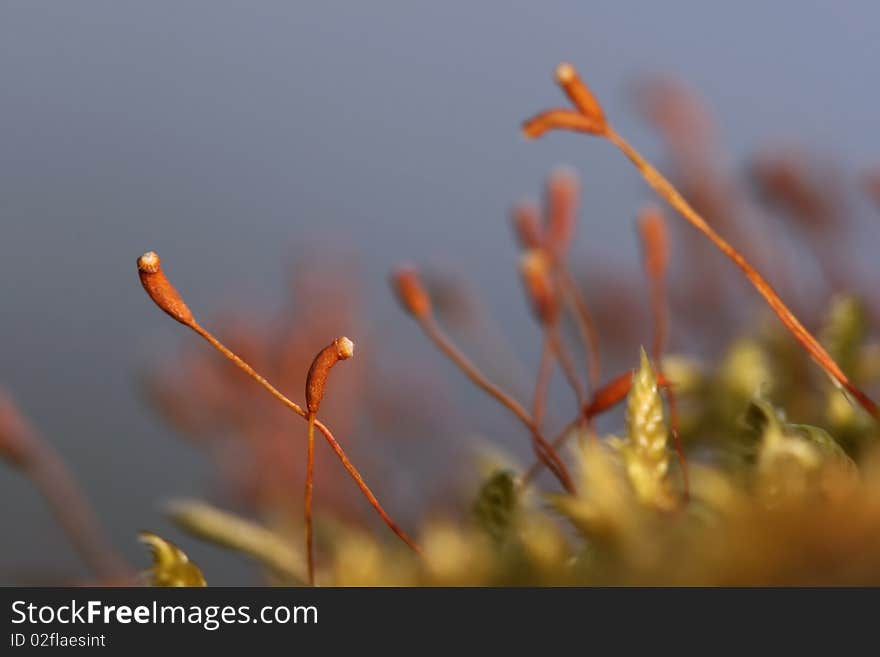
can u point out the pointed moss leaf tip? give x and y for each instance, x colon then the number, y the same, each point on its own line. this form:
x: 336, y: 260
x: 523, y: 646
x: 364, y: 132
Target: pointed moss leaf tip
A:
x: 645, y: 426
x: 171, y: 566
x: 645, y: 451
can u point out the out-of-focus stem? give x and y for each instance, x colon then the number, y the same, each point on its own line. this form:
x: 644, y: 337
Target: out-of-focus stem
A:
x: 583, y: 319
x: 545, y: 373
x: 52, y: 478
x: 542, y: 448
x: 567, y: 364
x: 557, y: 442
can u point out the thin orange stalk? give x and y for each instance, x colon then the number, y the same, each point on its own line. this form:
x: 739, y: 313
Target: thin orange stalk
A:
x: 666, y: 191
x: 584, y: 322
x: 414, y: 299
x: 543, y: 450
x: 316, y: 380
x: 562, y: 195
x: 556, y: 443
x: 567, y: 364
x: 553, y: 350
x: 163, y: 294
x: 307, y: 503
x: 551, y: 244
x: 593, y: 122
x: 545, y: 374
x: 536, y: 269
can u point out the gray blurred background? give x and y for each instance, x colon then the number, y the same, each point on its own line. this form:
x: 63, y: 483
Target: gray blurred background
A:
x: 228, y: 135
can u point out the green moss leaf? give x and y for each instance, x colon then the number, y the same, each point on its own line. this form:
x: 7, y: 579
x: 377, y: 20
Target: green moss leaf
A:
x: 496, y: 506
x: 171, y: 565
